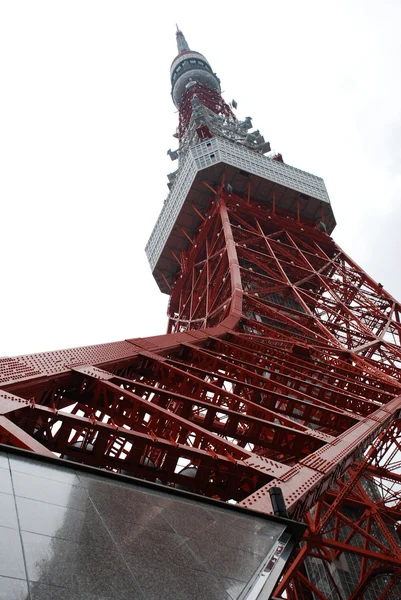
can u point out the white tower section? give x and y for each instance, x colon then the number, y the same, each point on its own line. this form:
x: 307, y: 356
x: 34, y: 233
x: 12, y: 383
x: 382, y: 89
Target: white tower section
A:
x: 213, y: 142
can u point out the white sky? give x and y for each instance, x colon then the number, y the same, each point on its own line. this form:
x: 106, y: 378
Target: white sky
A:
x: 86, y: 120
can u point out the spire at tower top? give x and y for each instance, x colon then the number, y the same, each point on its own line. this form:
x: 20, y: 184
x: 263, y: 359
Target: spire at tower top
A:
x: 182, y: 43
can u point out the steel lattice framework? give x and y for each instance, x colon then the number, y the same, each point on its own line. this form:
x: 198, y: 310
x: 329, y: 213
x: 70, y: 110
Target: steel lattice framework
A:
x: 281, y: 367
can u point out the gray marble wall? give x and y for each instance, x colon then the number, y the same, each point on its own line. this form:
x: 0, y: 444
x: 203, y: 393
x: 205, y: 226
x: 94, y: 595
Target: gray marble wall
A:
x: 70, y: 534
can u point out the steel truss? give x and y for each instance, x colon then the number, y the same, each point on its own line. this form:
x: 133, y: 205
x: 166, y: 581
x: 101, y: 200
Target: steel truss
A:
x: 209, y: 98
x: 281, y: 367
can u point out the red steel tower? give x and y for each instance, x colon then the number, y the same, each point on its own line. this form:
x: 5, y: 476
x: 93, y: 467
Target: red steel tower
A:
x: 280, y: 368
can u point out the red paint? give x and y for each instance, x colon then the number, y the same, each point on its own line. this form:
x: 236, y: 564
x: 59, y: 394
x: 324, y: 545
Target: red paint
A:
x: 280, y: 368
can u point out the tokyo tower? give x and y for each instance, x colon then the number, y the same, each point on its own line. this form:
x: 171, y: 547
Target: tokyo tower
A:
x: 280, y: 367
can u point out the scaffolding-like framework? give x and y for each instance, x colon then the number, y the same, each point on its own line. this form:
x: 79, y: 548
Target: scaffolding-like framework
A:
x: 211, y: 99
x: 280, y: 368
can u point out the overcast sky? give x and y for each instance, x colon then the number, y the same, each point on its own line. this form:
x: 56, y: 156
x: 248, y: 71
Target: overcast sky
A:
x: 86, y: 120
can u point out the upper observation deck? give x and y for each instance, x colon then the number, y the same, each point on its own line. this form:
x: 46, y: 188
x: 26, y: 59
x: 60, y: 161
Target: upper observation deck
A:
x: 206, y: 162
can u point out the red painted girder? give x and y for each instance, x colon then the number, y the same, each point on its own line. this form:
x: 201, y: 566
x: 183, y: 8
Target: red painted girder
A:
x: 354, y: 527
x: 283, y: 406
x: 252, y: 382
x: 370, y: 368
x: 360, y: 504
x: 375, y: 570
x: 392, y: 584
x: 298, y: 435
x: 69, y: 422
x: 291, y: 571
x: 379, y: 472
x: 220, y: 445
x: 387, y: 558
x: 279, y: 413
x: 294, y: 367
x: 250, y: 371
x: 10, y: 432
x: 10, y: 403
x: 307, y: 583
x: 317, y: 473
x: 344, y: 377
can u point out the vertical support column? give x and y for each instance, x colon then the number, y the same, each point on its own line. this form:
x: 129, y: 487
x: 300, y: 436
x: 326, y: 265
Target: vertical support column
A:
x: 235, y: 275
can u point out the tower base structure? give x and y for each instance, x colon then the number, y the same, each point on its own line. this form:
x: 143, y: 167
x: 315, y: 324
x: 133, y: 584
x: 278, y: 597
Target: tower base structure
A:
x: 281, y: 370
